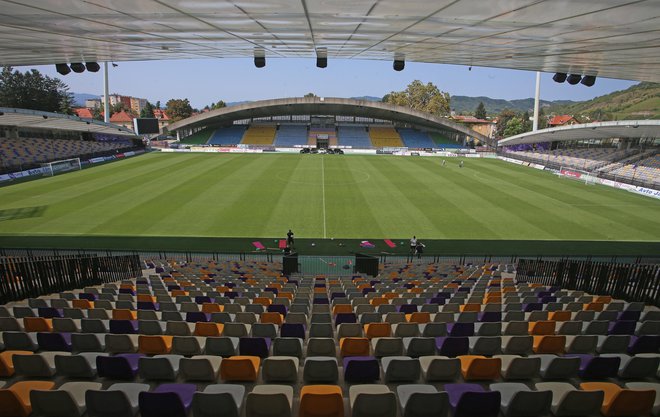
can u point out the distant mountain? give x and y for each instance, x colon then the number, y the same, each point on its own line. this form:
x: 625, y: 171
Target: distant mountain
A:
x: 641, y: 101
x: 465, y: 104
x: 79, y: 98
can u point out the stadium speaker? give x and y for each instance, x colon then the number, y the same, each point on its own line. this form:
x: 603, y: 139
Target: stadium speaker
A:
x: 559, y: 77
x: 77, y: 67
x: 588, y: 80
x: 321, y: 62
x: 259, y: 61
x: 399, y: 64
x: 92, y: 66
x: 573, y: 79
x: 62, y: 69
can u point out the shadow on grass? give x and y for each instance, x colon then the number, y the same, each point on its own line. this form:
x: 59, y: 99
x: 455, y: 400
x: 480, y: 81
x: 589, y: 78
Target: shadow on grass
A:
x: 22, y: 213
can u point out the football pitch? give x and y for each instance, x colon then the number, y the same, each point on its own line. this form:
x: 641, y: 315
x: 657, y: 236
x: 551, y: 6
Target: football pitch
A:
x: 324, y: 197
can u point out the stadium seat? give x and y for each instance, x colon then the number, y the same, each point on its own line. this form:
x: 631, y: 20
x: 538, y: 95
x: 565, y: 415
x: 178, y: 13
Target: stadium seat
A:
x: 167, y: 399
x: 622, y: 402
x: 269, y: 401
x: 569, y: 401
x: 321, y: 401
x: 372, y: 400
x: 15, y: 400
x: 67, y: 400
x: 240, y: 368
x: 472, y: 400
x: 225, y: 397
x: 418, y: 400
x: 119, y: 400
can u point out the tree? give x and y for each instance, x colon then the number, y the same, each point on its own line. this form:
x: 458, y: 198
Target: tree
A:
x: 502, y: 120
x: 97, y: 113
x: 514, y: 126
x: 147, y: 111
x: 480, y: 111
x: 423, y: 97
x: 177, y: 109
x: 219, y: 105
x: 310, y: 95
x: 32, y: 90
x: 158, y: 104
x: 526, y: 122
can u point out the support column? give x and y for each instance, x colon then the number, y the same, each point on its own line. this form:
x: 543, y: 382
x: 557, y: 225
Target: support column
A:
x: 106, y: 94
x: 537, y: 98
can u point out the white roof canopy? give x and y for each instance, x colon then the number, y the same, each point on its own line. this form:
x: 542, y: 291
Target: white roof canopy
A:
x: 54, y: 121
x: 607, y: 38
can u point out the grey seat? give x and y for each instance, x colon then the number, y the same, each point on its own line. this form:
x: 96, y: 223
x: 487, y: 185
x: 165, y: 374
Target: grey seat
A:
x: 401, y: 369
x: 387, y: 346
x: 419, y: 346
x: 216, y: 397
x: 119, y: 400
x: 268, y: 330
x: 321, y: 330
x: 280, y: 369
x: 516, y: 367
x: 81, y: 365
x: 515, y: 328
x: 419, y: 400
x: 517, y: 400
x: 488, y: 329
x: 321, y: 346
x: 557, y: 367
x: 269, y: 401
x: 151, y: 327
x: 370, y: 400
x: 648, y: 327
x: 40, y: 365
x: 221, y: 346
x: 91, y: 325
x: 349, y: 330
x: 66, y: 325
x: 88, y: 342
x: 188, y: 345
x: 439, y: 368
x: 614, y: 343
x: 20, y: 341
x: 639, y: 366
x: 200, y: 368
x: 236, y: 329
x: 517, y: 345
x: 159, y: 367
x: 581, y: 343
x: 597, y: 327
x: 67, y: 400
x: 178, y: 328
x: 121, y: 343
x: 434, y: 329
x: 569, y: 401
x: 288, y: 346
x: 485, y: 345
x: 320, y: 369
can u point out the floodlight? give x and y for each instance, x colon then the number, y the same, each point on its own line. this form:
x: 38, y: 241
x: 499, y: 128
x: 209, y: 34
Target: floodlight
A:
x: 399, y: 64
x: 259, y: 57
x: 92, y: 66
x: 588, y: 80
x: 62, y: 69
x: 321, y: 57
x: 77, y: 67
x: 573, y: 79
x: 559, y: 77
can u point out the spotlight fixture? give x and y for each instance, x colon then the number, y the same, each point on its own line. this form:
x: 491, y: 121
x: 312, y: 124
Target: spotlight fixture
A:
x: 588, y: 80
x: 92, y: 66
x: 321, y: 57
x: 573, y: 79
x: 399, y: 62
x: 559, y: 77
x: 115, y: 65
x: 259, y: 57
x: 44, y: 116
x: 62, y: 69
x: 77, y: 67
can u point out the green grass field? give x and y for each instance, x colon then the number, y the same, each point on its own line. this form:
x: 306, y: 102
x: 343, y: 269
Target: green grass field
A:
x: 319, y: 196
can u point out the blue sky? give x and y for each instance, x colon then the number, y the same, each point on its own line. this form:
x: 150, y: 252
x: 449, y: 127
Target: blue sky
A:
x: 207, y: 81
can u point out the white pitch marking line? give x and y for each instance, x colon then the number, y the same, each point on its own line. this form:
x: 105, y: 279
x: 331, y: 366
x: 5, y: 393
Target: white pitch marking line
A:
x: 323, y: 193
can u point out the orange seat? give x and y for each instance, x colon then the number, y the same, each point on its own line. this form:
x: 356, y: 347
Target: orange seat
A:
x: 372, y: 330
x: 379, y: 301
x: 416, y: 290
x: 82, y: 304
x: 594, y: 306
x: 212, y: 308
x: 208, y: 329
x: 37, y: 324
x: 476, y: 367
x: 493, y: 300
x: 7, y: 361
x: 321, y: 401
x: 508, y: 289
x: 342, y: 308
x: 272, y: 317
x: 390, y: 295
x: 363, y: 286
x: 452, y: 285
x: 264, y: 301
x: 549, y: 344
x: 240, y: 368
x: 146, y: 298
x: 124, y: 314
x: 127, y: 287
x: 419, y: 317
x: 560, y: 315
x: 154, y: 345
x: 176, y: 293
x: 606, y: 299
x: 15, y: 400
x: 320, y: 290
x: 543, y: 327
x: 621, y: 402
x: 470, y: 307
x: 222, y: 289
x: 288, y: 295
x: 354, y: 346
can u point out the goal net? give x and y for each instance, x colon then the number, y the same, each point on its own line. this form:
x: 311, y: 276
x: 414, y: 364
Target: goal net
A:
x: 578, y: 175
x: 58, y: 167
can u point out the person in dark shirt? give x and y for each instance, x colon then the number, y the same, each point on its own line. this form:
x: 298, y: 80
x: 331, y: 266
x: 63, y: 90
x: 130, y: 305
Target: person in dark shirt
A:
x: 419, y: 249
x: 289, y: 239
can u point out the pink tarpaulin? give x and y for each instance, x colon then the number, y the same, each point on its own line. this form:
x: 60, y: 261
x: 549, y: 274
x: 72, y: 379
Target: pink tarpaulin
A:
x: 258, y: 245
x: 282, y: 244
x: 390, y: 243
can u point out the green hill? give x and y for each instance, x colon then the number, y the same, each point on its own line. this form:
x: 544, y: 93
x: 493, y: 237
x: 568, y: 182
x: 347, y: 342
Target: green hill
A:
x: 467, y: 105
x: 641, y: 101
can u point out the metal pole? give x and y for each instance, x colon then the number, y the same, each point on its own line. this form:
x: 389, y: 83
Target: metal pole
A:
x: 106, y: 94
x: 537, y: 97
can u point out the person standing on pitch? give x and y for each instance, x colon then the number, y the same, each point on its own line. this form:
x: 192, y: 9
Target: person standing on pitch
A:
x: 460, y: 164
x: 413, y: 244
x: 289, y: 239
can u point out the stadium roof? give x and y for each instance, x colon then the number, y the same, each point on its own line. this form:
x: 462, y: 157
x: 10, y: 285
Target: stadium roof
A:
x: 599, y: 130
x: 608, y: 38
x: 55, y: 121
x: 323, y: 106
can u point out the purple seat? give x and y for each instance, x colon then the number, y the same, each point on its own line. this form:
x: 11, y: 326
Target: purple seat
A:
x: 444, y: 295
x: 345, y: 318
x: 452, y: 346
x: 460, y: 329
x: 159, y: 269
x: 254, y: 346
x: 644, y: 344
x: 201, y: 299
x: 123, y: 326
x: 168, y: 400
x: 361, y: 369
x: 319, y: 284
x: 196, y: 316
x: 548, y: 299
x: 147, y: 305
x: 293, y: 330
x: 230, y: 284
x: 173, y: 287
x: 622, y: 327
x: 277, y: 308
x: 630, y: 315
x: 59, y: 342
x: 437, y: 300
x: 490, y: 316
x: 471, y: 400
x: 87, y: 296
x: 232, y: 294
x: 365, y: 291
x: 273, y: 290
x: 597, y: 367
x: 50, y: 312
x: 542, y: 294
x: 122, y: 366
x: 532, y: 307
x: 407, y: 308
x: 408, y: 286
x: 323, y: 300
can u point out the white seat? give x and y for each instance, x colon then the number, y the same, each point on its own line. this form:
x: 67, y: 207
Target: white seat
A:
x: 67, y: 400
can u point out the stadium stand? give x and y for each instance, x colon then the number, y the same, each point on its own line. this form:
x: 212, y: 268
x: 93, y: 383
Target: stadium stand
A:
x: 227, y: 136
x: 353, y: 136
x: 443, y: 142
x: 384, y: 137
x: 314, y: 132
x: 647, y: 169
x: 259, y: 135
x: 199, y: 138
x: 291, y: 135
x: 587, y: 159
x: 484, y: 327
x: 413, y: 138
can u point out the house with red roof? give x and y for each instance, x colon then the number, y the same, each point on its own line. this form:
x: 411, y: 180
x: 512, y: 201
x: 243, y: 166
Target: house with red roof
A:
x: 563, y: 120
x: 122, y: 119
x: 84, y: 113
x: 483, y: 126
x: 163, y: 118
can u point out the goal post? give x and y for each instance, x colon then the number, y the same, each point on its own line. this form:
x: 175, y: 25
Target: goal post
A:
x: 57, y: 167
x: 589, y: 178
